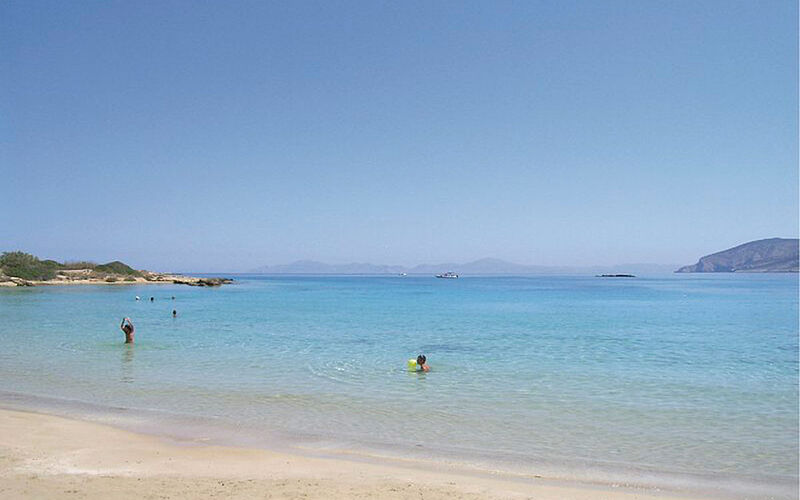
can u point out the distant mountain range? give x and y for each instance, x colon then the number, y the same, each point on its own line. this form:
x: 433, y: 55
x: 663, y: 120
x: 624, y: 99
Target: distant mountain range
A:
x: 478, y: 267
x: 774, y: 255
x: 314, y: 267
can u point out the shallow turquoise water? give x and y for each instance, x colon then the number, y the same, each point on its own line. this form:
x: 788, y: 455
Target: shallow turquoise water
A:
x: 687, y: 375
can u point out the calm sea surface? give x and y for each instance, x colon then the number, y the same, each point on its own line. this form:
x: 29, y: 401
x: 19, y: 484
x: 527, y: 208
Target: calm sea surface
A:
x: 670, y: 378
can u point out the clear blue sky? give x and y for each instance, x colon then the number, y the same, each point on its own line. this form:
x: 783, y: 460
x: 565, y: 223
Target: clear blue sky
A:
x: 228, y: 135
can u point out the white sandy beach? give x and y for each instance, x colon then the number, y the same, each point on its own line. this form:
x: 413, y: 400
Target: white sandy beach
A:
x: 43, y: 456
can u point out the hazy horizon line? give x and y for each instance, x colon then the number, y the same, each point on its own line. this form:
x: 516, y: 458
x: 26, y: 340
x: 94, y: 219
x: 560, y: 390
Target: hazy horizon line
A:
x: 487, y: 265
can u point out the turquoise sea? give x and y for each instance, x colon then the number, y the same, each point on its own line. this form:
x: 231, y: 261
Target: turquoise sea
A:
x: 683, y: 381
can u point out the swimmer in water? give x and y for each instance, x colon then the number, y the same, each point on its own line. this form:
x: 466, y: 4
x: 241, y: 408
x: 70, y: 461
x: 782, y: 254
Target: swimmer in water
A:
x: 128, y: 329
x: 174, y: 313
x: 421, y: 359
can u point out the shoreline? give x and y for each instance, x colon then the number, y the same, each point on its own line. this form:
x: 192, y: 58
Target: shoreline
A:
x: 219, y: 431
x: 148, y: 279
x: 183, y: 430
x: 343, y: 461
x: 45, y: 455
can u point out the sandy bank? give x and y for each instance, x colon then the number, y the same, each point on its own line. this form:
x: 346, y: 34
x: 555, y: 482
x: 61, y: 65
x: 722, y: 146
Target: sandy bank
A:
x: 86, y: 277
x: 43, y: 456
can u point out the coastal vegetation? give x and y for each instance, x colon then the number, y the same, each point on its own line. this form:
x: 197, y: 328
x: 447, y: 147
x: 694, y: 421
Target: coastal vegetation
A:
x: 29, y: 267
x: 117, y: 267
x: 23, y: 269
x: 26, y: 266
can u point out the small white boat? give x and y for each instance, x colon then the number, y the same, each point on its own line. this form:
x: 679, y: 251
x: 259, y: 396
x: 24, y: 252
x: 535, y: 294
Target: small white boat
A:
x: 448, y: 275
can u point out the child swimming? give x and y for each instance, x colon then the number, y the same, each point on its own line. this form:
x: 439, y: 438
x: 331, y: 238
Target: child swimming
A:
x: 420, y: 364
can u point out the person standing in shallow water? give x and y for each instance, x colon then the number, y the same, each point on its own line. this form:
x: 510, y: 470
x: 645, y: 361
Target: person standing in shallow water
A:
x: 422, y: 363
x: 129, y: 330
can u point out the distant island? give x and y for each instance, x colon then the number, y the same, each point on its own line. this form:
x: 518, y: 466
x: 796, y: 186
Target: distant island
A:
x: 773, y: 255
x: 487, y: 266
x: 23, y: 269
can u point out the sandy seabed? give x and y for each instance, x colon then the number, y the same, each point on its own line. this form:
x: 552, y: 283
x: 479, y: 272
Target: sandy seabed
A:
x: 43, y: 456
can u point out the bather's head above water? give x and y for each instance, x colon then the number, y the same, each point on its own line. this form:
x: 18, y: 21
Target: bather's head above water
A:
x: 416, y: 365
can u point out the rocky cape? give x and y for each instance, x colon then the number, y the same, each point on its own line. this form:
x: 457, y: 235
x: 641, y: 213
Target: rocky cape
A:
x: 91, y: 277
x: 773, y: 255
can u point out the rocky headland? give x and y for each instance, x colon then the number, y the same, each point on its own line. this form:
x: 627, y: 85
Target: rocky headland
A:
x: 773, y: 255
x: 22, y: 269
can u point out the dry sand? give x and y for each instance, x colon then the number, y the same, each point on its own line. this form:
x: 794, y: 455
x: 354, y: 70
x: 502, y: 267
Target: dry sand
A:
x: 84, y: 277
x: 43, y: 456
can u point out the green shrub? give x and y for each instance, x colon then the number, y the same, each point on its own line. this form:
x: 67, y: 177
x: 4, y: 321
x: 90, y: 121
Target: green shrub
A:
x: 130, y: 278
x: 26, y: 266
x: 117, y: 267
x: 29, y: 267
x: 79, y: 264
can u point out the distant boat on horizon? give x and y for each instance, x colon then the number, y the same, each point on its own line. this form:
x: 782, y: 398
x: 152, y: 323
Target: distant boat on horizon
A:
x: 448, y: 275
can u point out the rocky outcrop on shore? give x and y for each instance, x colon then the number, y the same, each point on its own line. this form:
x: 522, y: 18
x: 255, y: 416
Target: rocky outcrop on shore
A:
x: 185, y: 280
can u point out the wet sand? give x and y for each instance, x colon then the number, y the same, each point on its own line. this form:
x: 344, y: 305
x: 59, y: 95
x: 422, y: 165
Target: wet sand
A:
x: 43, y: 456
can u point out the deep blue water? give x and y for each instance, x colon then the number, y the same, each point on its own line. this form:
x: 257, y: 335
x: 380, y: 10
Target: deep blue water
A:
x: 684, y: 374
